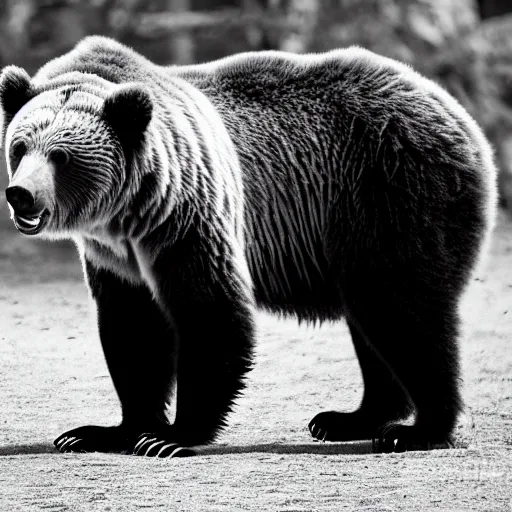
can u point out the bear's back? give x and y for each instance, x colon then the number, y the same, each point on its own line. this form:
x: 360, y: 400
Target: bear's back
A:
x: 350, y: 82
x: 325, y: 141
x: 339, y: 82
x: 102, y: 57
x: 271, y: 98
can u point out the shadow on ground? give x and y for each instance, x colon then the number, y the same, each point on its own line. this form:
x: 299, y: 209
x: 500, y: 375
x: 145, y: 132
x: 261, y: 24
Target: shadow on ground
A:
x: 360, y: 447
x: 313, y: 448
x: 27, y: 449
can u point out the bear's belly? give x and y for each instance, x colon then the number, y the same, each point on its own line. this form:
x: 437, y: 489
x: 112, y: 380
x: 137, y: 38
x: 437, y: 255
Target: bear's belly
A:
x: 315, y: 298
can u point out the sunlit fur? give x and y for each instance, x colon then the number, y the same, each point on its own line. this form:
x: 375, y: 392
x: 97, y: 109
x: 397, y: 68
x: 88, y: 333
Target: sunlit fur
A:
x: 346, y: 142
x: 188, y: 169
x: 373, y: 121
x: 88, y: 189
x: 321, y: 186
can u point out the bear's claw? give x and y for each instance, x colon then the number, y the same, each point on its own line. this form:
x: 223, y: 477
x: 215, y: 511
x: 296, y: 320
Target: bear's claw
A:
x: 69, y: 444
x: 390, y: 437
x: 119, y: 440
x: 151, y: 445
x: 318, y: 433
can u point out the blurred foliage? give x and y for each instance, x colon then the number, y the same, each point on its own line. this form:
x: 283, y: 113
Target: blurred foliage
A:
x: 466, y: 45
x: 33, y: 31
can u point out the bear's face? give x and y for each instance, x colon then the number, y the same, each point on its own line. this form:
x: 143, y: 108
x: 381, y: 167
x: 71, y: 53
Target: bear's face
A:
x: 67, y: 152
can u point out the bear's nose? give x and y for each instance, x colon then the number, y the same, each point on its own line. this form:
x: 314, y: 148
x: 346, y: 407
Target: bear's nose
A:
x: 19, y: 198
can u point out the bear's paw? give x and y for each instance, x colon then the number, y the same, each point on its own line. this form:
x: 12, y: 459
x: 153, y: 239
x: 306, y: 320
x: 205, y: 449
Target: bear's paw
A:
x: 93, y: 438
x: 397, y: 438
x: 342, y: 426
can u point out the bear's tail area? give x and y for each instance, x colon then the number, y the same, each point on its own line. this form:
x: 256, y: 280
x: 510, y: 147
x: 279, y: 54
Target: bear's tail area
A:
x: 488, y: 206
x: 485, y: 166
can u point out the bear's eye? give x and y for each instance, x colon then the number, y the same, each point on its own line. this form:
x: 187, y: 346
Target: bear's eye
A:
x: 59, y: 157
x: 18, y: 151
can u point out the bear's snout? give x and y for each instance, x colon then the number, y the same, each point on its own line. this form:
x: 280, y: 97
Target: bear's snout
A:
x: 20, y: 199
x: 30, y: 214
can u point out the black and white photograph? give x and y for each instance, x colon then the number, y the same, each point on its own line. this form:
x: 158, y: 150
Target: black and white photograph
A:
x: 256, y: 255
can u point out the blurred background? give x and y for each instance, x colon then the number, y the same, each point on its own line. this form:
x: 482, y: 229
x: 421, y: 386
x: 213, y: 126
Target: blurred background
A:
x: 466, y: 45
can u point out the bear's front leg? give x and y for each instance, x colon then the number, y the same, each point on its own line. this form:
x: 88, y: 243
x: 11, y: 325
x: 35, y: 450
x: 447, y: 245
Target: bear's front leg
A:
x: 139, y: 346
x: 205, y: 295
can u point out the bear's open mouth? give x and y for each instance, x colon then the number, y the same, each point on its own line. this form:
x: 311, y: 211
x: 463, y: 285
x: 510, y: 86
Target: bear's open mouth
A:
x: 33, y: 224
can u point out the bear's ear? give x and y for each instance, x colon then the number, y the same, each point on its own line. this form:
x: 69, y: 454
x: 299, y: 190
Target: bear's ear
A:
x: 15, y: 90
x: 128, y: 111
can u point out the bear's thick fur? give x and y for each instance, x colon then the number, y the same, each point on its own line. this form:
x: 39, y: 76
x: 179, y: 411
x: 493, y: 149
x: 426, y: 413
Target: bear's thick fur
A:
x: 329, y: 186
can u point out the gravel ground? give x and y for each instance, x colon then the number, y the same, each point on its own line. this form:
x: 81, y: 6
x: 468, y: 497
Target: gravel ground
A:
x: 54, y: 378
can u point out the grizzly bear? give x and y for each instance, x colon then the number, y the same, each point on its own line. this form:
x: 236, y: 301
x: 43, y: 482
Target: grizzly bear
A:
x: 319, y: 186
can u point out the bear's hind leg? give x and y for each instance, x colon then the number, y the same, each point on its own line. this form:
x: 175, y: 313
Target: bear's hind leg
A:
x: 384, y: 400
x: 414, y: 328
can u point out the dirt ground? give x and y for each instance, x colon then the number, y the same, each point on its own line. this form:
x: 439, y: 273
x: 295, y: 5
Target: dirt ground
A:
x: 54, y: 378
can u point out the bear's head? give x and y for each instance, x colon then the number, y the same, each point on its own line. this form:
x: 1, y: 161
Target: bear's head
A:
x: 68, y: 146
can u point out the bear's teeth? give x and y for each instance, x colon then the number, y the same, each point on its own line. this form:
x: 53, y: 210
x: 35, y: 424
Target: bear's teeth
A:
x: 31, y: 222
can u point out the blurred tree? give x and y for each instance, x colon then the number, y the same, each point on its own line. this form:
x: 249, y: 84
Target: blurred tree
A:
x: 301, y: 18
x: 408, y: 30
x: 182, y: 43
x: 34, y: 31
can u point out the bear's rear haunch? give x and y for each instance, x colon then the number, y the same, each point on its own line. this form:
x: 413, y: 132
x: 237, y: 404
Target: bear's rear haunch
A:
x: 340, y: 185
